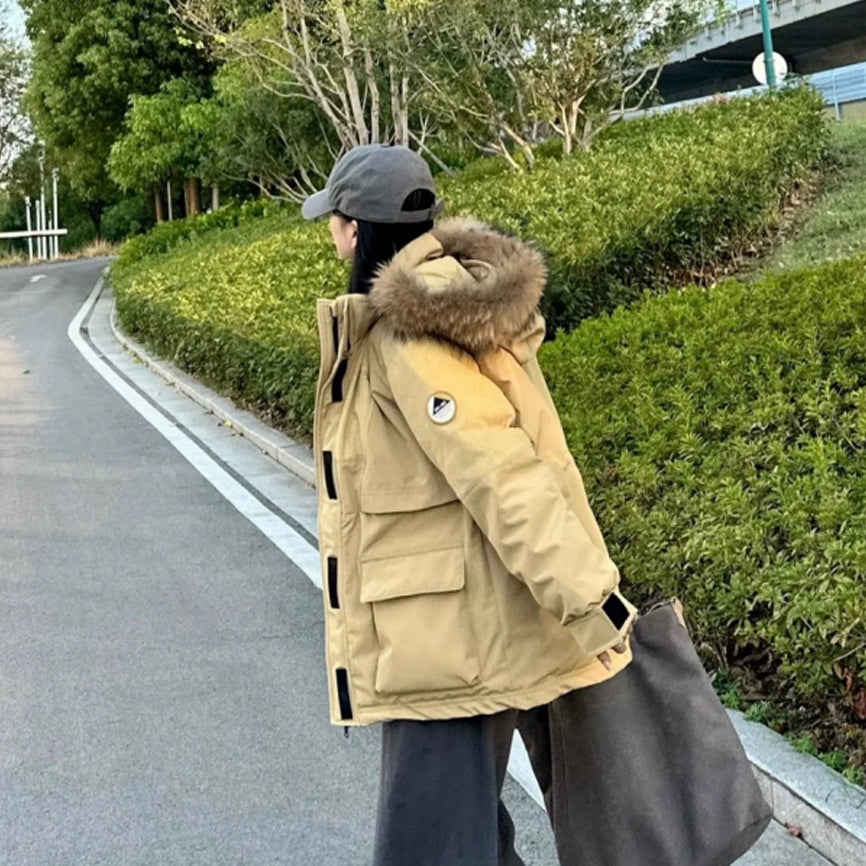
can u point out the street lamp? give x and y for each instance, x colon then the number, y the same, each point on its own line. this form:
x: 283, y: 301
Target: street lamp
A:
x: 769, y: 63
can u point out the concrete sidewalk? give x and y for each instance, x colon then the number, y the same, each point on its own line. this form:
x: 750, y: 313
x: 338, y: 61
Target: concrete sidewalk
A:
x: 826, y: 815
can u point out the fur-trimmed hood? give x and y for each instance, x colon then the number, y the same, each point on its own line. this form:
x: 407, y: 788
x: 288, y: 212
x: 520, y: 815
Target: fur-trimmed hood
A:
x: 467, y: 284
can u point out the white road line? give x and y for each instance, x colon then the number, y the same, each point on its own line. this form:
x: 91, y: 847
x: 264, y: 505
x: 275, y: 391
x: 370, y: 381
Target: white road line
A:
x: 37, y: 278
x: 293, y: 545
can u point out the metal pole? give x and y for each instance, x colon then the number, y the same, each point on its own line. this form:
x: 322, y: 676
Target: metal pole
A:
x: 27, y: 204
x: 43, y: 246
x: 40, y: 227
x: 43, y: 224
x: 56, y: 239
x: 170, y: 215
x: 36, y: 225
x: 769, y: 63
x: 44, y: 205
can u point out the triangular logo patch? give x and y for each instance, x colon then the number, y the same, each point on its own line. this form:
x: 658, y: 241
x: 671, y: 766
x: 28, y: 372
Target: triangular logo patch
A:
x: 441, y: 408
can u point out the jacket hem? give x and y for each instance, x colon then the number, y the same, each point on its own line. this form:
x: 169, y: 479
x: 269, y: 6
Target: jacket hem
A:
x: 481, y: 705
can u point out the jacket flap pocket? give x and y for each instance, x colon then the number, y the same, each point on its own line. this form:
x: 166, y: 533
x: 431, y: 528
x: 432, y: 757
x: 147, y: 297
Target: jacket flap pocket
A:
x: 413, y: 574
x: 399, y: 499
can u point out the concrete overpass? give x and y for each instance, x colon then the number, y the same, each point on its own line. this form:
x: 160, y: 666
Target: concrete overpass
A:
x: 812, y: 35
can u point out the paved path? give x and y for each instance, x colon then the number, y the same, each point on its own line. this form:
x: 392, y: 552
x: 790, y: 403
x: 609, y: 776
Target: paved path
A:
x: 161, y: 690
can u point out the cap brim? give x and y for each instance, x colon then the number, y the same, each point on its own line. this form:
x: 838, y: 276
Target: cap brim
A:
x: 317, y: 205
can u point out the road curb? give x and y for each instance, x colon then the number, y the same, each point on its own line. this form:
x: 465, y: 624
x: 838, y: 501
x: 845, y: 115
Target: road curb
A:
x: 828, y: 811
x: 805, y: 793
x: 291, y: 455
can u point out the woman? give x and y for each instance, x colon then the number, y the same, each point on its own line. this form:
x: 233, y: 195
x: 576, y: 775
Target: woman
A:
x: 465, y: 576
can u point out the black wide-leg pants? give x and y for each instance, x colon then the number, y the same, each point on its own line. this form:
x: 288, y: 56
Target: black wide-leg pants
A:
x: 439, y: 801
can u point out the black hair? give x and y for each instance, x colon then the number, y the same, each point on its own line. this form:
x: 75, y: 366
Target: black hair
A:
x: 379, y: 242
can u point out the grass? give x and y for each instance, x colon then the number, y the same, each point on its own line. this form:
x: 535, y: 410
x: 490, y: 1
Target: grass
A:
x: 97, y: 250
x: 11, y: 260
x: 835, y: 227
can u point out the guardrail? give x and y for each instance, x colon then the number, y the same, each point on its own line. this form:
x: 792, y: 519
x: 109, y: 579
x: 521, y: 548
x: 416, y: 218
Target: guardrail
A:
x: 52, y: 250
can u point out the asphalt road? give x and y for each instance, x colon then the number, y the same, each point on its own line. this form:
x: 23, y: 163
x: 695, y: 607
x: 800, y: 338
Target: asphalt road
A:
x: 162, y: 697
x: 162, y: 689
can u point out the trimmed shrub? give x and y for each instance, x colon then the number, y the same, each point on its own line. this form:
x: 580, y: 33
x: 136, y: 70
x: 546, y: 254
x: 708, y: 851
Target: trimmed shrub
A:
x: 722, y: 436
x: 237, y: 309
x: 165, y: 236
x: 657, y: 196
x: 657, y: 201
x: 720, y: 432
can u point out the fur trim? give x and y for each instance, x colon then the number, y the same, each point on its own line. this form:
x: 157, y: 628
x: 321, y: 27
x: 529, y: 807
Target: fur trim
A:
x: 496, y: 282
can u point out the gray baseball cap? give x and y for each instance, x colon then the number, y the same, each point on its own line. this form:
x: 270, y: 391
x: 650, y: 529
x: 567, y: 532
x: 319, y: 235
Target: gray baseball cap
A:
x: 371, y: 183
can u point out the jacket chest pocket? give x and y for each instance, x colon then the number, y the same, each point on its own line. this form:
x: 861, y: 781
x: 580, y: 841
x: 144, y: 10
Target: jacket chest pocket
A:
x: 422, y: 622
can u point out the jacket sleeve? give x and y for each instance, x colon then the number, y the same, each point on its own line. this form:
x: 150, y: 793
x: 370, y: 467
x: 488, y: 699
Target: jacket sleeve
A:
x: 510, y: 492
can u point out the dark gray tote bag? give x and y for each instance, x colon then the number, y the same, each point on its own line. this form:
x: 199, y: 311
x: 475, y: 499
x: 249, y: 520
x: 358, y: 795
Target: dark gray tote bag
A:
x: 646, y: 769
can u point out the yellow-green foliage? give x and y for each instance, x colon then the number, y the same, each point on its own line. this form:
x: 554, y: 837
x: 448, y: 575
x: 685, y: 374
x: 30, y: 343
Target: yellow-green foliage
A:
x: 230, y: 296
x: 237, y: 309
x: 655, y: 199
x: 722, y: 436
x: 721, y: 433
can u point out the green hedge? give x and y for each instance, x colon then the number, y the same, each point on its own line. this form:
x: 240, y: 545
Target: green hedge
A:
x: 165, y: 236
x: 657, y: 201
x: 722, y: 435
x: 230, y: 296
x: 229, y: 308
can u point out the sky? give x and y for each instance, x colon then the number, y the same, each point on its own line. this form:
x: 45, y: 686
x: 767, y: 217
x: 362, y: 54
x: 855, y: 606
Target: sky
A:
x: 17, y: 16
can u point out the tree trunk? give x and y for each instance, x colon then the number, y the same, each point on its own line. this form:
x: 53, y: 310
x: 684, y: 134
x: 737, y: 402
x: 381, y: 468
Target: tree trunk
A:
x: 404, y: 111
x: 215, y: 198
x: 587, y: 135
x: 568, y: 127
x: 159, y: 205
x: 521, y: 142
x: 352, y: 90
x: 395, y: 99
x: 375, y: 97
x: 571, y: 115
x: 94, y: 211
x: 501, y: 148
x: 192, y: 197
x: 170, y: 203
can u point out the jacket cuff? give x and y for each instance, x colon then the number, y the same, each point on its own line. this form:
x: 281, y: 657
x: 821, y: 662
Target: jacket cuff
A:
x: 604, y: 626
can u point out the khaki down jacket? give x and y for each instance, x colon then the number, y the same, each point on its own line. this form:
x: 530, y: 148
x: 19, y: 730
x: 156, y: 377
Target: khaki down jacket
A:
x: 463, y: 571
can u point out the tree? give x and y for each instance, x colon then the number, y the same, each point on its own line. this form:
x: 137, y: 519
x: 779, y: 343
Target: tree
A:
x: 14, y: 125
x: 469, y: 58
x: 592, y: 61
x: 255, y: 136
x: 338, y: 55
x: 89, y: 58
x: 159, y: 145
x: 504, y: 73
x: 519, y: 71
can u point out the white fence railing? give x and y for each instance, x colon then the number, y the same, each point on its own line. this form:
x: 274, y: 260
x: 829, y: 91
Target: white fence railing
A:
x: 45, y: 216
x: 47, y: 242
